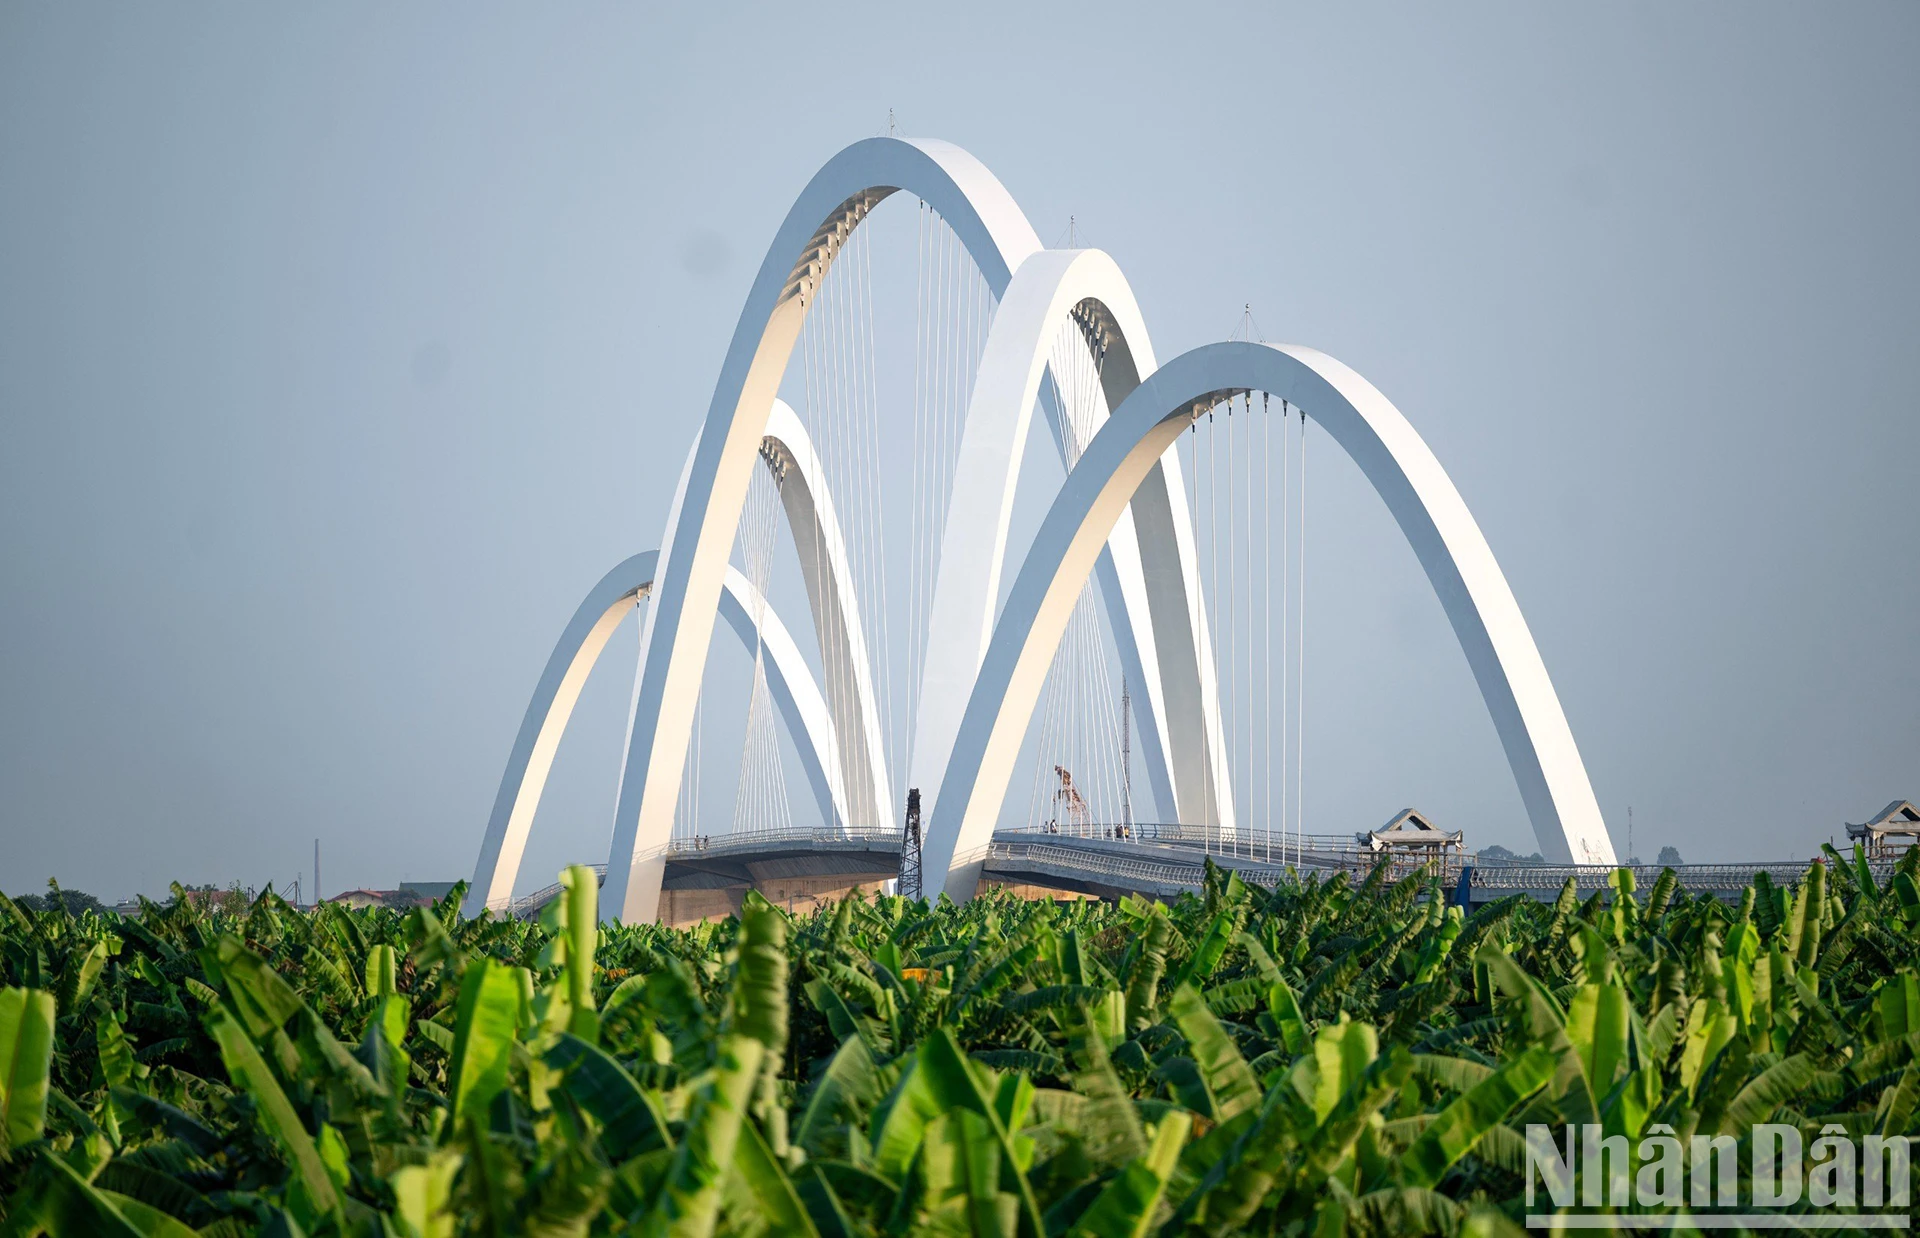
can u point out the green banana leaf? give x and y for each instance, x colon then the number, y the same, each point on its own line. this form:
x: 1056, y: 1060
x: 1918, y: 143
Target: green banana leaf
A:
x: 250, y: 1073
x: 631, y: 1121
x: 1126, y: 1208
x: 1462, y: 1124
x: 1231, y: 1087
x: 27, y: 1019
x: 483, y: 1036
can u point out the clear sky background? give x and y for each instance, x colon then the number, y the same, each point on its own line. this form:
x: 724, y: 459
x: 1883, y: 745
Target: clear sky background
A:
x: 343, y: 347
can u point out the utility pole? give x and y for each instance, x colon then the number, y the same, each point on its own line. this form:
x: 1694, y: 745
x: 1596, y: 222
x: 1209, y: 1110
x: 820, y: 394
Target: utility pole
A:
x: 316, y: 872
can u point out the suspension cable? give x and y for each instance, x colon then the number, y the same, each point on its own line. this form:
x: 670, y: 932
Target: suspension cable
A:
x: 1300, y: 727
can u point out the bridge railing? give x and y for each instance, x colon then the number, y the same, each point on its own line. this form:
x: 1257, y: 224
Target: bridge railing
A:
x: 1109, y: 864
x: 702, y: 844
x: 1592, y: 877
x: 750, y: 840
x: 1322, y: 852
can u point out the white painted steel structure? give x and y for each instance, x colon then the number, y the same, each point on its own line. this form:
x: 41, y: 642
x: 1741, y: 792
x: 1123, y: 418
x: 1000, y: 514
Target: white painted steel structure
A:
x: 1121, y: 518
x: 1430, y: 512
x: 795, y: 694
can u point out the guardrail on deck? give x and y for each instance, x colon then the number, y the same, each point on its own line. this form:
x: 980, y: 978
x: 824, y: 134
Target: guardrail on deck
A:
x: 1246, y: 854
x: 1587, y: 878
x: 707, y: 844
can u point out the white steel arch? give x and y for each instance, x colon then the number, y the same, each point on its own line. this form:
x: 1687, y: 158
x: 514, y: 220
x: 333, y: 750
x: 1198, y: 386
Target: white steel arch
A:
x: 707, y: 506
x: 846, y: 667
x: 789, y: 682
x: 1144, y: 577
x: 1429, y: 510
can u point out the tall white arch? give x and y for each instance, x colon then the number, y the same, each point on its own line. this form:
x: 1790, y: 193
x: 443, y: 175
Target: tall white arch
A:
x: 846, y: 665
x: 1144, y: 578
x: 789, y: 682
x: 706, y: 509
x: 1500, y: 650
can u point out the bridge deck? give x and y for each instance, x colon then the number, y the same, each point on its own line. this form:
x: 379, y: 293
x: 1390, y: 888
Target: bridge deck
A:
x: 1157, y: 861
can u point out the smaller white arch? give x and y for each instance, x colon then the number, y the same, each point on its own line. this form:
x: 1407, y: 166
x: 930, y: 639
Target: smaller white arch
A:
x: 845, y: 661
x: 1145, y: 573
x: 1392, y: 456
x: 789, y: 682
x: 706, y: 510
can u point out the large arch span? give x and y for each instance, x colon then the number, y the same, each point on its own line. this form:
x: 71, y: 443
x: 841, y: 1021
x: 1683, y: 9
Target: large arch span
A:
x: 790, y: 684
x: 1121, y: 518
x: 706, y: 511
x: 1424, y: 503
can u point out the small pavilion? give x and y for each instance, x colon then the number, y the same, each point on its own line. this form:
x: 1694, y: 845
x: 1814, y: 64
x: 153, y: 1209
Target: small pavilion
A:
x: 1888, y: 835
x: 1412, y: 840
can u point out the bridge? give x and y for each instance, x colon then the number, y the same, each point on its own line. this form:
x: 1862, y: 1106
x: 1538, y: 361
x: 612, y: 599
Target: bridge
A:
x: 707, y: 876
x: 1143, y: 658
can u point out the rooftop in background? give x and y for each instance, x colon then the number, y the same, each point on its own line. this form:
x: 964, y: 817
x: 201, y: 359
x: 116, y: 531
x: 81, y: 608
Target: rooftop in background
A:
x: 1894, y: 829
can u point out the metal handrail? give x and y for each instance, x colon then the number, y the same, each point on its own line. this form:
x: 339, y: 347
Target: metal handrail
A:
x: 1108, y: 864
x: 698, y: 844
x: 1324, y: 852
x: 690, y: 844
x: 1600, y: 876
x: 1241, y: 843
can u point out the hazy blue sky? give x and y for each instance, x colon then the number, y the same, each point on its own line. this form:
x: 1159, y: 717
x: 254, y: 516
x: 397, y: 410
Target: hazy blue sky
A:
x: 342, y: 348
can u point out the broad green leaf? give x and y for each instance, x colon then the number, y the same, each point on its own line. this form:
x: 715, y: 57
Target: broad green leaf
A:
x: 1149, y: 965
x: 146, y: 1218
x: 1107, y: 1124
x: 116, y: 1057
x: 424, y: 1196
x: 68, y: 1206
x: 760, y: 985
x: 1766, y: 1092
x: 1125, y: 1209
x: 264, y: 1001
x: 902, y: 1122
x: 26, y: 1058
x: 630, y: 1120
x: 779, y: 1204
x: 483, y: 1036
x: 689, y: 1201
x: 1462, y: 1124
x: 83, y: 968
x: 1898, y: 1005
x: 846, y: 1090
x: 1229, y: 1082
x: 951, y: 1079
x: 249, y: 1072
x: 1294, y: 1034
x: 1597, y: 1025
x: 382, y: 971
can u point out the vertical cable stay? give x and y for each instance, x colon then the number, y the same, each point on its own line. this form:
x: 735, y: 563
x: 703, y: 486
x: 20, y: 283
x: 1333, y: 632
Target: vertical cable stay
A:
x: 1212, y: 823
x: 1300, y: 717
x: 1266, y: 611
x: 1243, y: 817
x: 760, y: 800
x: 1286, y: 594
x: 1230, y: 687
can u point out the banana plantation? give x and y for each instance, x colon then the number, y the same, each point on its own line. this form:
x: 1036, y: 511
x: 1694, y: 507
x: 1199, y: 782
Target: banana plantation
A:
x: 1329, y: 1057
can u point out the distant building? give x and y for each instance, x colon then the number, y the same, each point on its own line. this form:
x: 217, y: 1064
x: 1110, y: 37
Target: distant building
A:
x: 363, y: 898
x: 1412, y: 840
x: 1887, y: 835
